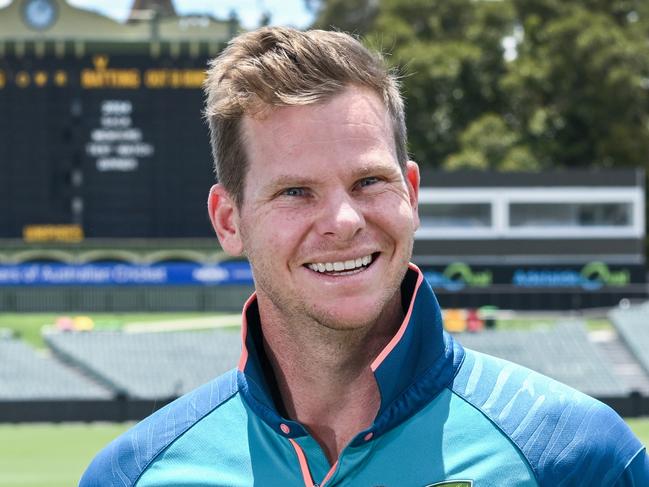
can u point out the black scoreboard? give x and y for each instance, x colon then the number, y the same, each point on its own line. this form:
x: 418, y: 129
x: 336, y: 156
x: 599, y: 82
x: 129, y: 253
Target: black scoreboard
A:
x: 115, y: 144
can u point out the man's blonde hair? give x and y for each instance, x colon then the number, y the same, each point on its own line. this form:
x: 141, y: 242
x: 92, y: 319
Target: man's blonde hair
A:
x: 276, y: 66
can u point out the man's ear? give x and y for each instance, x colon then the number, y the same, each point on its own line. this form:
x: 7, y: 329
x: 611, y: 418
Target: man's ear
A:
x: 412, y: 181
x: 224, y: 216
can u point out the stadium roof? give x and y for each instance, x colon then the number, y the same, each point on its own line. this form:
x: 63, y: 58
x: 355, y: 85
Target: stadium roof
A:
x: 163, y: 8
x: 58, y: 21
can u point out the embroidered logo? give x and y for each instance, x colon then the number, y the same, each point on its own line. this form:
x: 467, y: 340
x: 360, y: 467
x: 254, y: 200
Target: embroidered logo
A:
x: 452, y: 483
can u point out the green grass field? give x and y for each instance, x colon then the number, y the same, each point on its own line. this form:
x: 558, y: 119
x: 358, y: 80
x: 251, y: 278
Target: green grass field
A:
x: 640, y: 427
x: 39, y: 455
x: 28, y: 325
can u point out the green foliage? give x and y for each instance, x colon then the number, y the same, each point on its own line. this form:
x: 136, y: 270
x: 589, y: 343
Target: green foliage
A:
x: 451, y: 55
x: 575, y: 93
x: 354, y: 16
x: 488, y: 143
x: 578, y: 87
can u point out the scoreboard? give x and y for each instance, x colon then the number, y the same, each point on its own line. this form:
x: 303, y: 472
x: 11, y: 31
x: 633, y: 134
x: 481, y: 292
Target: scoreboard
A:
x: 115, y: 145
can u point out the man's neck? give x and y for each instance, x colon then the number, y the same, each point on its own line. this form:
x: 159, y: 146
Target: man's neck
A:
x: 324, y: 375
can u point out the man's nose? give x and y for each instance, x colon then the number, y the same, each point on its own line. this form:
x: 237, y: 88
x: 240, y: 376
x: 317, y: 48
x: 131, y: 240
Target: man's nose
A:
x: 341, y: 217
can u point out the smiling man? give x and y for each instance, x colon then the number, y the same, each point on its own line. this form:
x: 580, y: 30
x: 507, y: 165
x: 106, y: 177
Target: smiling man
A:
x: 346, y: 376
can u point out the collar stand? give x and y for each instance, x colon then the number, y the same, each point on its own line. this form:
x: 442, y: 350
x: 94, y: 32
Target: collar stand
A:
x: 419, y: 361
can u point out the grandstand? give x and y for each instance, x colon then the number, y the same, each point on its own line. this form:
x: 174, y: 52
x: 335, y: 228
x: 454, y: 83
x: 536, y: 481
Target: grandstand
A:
x: 149, y: 365
x: 29, y: 376
x: 119, y: 375
x: 631, y: 325
x: 562, y: 352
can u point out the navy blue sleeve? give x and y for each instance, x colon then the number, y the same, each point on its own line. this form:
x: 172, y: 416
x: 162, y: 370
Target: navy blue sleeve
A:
x: 636, y: 474
x: 569, y: 439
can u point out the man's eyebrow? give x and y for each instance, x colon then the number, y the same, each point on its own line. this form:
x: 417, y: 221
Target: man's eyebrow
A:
x: 289, y: 181
x: 375, y: 168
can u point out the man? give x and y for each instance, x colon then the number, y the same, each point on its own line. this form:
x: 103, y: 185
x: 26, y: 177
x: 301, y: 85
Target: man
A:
x: 346, y: 376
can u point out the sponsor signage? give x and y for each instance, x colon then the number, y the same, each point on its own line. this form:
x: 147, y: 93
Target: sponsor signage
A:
x: 454, y: 277
x: 110, y: 274
x: 592, y: 276
x: 457, y: 276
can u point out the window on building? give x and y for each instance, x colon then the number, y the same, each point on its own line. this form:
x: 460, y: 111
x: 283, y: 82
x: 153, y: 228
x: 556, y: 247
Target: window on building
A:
x: 570, y: 214
x: 455, y: 215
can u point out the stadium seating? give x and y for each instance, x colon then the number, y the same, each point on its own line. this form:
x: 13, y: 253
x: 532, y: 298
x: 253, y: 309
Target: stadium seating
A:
x: 562, y: 352
x: 146, y: 366
x: 632, y: 325
x: 28, y: 374
x: 150, y: 365
x: 165, y: 365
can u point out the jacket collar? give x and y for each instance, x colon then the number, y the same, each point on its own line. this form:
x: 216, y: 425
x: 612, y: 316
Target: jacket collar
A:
x: 419, y: 361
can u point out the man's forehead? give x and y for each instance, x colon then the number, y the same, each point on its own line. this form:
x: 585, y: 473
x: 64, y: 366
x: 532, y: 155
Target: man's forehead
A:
x: 354, y: 113
x: 351, y: 101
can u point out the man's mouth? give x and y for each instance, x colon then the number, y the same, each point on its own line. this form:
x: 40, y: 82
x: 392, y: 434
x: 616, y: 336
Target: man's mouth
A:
x: 341, y: 267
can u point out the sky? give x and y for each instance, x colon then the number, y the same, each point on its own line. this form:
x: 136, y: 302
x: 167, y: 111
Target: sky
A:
x: 283, y: 12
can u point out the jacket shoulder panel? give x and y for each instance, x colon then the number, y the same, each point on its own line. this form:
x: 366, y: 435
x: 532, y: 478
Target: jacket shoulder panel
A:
x: 568, y: 438
x: 124, y: 460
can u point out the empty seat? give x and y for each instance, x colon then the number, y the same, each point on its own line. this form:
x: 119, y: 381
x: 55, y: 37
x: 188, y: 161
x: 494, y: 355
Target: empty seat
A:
x: 562, y: 352
x: 29, y: 374
x: 150, y: 365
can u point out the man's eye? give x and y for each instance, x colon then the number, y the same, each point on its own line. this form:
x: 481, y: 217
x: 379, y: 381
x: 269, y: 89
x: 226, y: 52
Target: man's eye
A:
x: 368, y: 181
x: 294, y: 192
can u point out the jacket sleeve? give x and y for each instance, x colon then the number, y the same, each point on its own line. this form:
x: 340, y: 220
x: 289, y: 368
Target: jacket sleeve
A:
x: 636, y: 473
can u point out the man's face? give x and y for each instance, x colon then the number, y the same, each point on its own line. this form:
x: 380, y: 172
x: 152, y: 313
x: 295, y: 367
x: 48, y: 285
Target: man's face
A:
x: 327, y: 219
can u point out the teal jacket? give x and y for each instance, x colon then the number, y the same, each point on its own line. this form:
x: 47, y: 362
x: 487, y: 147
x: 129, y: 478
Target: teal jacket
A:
x: 448, y: 417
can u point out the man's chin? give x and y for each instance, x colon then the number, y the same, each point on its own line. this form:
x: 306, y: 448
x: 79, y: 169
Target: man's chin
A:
x: 356, y: 316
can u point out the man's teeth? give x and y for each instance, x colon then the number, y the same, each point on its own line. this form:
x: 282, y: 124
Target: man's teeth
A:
x: 341, y: 266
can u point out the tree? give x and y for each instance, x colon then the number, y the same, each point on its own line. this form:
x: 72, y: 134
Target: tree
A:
x: 449, y: 54
x: 579, y: 84
x: 451, y: 57
x: 575, y: 94
x: 353, y: 16
x: 488, y: 143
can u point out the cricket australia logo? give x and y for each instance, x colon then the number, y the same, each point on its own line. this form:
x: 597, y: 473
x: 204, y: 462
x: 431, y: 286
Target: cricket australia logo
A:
x: 452, y: 483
